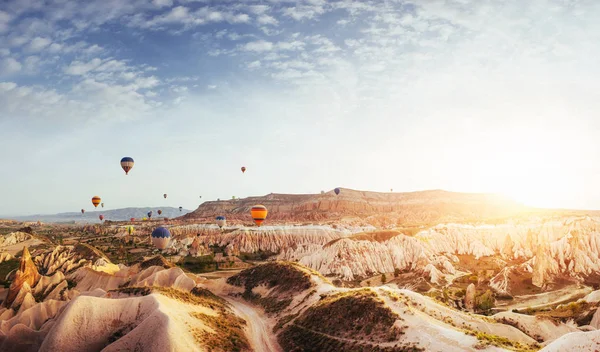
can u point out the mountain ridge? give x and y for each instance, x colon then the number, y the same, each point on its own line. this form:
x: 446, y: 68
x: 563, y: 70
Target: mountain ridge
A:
x: 109, y: 214
x: 396, y: 207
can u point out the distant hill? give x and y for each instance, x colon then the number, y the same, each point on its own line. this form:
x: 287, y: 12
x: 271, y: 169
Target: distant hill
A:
x: 112, y: 214
x: 378, y: 208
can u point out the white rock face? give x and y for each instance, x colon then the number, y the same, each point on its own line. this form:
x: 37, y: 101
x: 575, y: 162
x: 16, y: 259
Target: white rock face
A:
x: 575, y: 341
x: 88, y: 322
x: 569, y: 246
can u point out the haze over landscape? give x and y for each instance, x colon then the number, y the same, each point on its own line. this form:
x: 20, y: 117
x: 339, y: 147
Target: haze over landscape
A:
x: 299, y: 175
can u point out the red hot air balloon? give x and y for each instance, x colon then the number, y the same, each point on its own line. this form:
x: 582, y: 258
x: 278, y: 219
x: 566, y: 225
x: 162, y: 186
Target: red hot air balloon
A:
x: 82, y: 211
x: 96, y: 201
x: 159, y: 211
x: 243, y: 169
x: 101, y: 217
x: 132, y: 219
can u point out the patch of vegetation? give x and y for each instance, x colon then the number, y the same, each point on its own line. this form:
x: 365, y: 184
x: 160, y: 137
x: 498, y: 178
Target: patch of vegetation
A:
x: 200, y: 264
x: 259, y: 255
x: 485, y: 302
x: 295, y: 338
x: 229, y: 333
x: 284, y: 320
x: 352, y: 314
x: 284, y: 276
x: 5, y: 268
x: 503, y: 342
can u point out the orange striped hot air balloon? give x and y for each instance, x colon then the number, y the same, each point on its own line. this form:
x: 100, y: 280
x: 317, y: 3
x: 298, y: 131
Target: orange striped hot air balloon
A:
x: 259, y: 214
x: 96, y: 200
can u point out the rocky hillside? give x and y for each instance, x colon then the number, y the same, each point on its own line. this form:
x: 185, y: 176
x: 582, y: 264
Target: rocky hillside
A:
x: 375, y: 208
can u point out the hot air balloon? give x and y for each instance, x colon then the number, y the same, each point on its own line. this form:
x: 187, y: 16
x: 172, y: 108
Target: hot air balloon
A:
x: 220, y: 220
x: 391, y: 190
x: 200, y: 196
x: 259, y: 214
x: 322, y: 192
x: 127, y: 164
x: 161, y: 237
x: 232, y: 197
x: 102, y: 205
x: 243, y: 169
x: 132, y: 219
x: 82, y: 211
x: 96, y: 200
x: 159, y: 211
x: 101, y: 217
x: 144, y: 218
x: 130, y: 229
x: 337, y: 191
x: 180, y: 208
x: 150, y: 214
x: 165, y: 195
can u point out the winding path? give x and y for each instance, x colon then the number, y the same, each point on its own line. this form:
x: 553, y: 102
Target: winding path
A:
x: 260, y: 332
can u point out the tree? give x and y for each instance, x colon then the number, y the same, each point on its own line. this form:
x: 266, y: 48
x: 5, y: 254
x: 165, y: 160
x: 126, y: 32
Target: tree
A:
x: 486, y: 301
x: 383, y: 278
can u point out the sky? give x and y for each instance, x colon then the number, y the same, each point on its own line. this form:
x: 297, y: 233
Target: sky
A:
x: 461, y: 95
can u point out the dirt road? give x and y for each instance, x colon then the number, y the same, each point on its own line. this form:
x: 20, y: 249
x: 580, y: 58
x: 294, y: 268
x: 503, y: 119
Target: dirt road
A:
x: 260, y: 332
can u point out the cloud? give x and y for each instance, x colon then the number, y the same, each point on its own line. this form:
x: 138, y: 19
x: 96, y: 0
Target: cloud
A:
x: 266, y: 19
x: 258, y: 46
x: 163, y: 3
x: 303, y: 12
x: 80, y: 68
x: 183, y: 16
x: 38, y: 44
x: 9, y: 66
x: 5, y: 19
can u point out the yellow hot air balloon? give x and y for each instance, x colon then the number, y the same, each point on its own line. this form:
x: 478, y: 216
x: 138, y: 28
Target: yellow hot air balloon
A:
x: 96, y: 200
x: 259, y: 214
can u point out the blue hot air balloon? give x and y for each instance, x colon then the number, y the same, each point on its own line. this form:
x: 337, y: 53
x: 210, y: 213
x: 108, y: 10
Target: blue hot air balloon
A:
x: 337, y: 191
x: 220, y: 220
x: 150, y: 214
x: 161, y: 237
x: 127, y: 164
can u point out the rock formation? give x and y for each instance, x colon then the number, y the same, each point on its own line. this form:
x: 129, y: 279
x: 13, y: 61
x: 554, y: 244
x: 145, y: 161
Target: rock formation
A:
x: 14, y: 238
x: 26, y: 277
x: 470, y: 296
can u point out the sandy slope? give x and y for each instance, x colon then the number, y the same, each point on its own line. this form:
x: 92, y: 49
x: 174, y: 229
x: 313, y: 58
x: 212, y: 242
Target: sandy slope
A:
x: 575, y: 341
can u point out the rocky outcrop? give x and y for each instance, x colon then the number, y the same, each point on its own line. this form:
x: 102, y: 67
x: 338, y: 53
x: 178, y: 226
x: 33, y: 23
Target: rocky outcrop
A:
x: 14, y: 238
x: 67, y: 259
x: 546, y: 249
x: 470, y: 296
x: 26, y: 277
